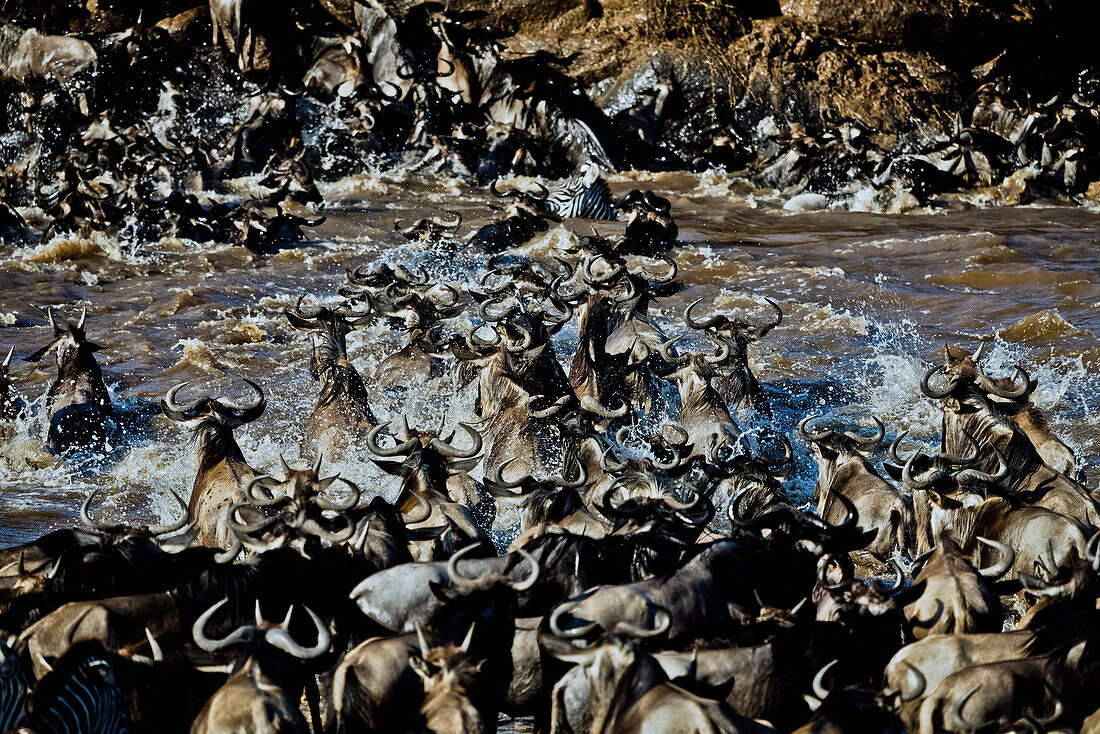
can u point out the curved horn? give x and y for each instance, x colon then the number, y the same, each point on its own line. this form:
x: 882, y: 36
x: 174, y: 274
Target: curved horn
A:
x: 452, y: 566
x: 663, y: 350
x: 927, y: 389
x: 999, y: 475
x: 252, y: 408
x: 909, y: 480
x: 580, y: 481
x: 313, y: 527
x: 975, y: 453
x: 899, y: 577
x: 811, y: 437
x: 704, y: 323
x: 446, y: 449
x: 496, y: 475
x: 351, y: 501
x: 667, y: 277
x: 590, y: 274
x: 87, y: 518
x: 532, y: 577
x: 819, y: 680
x: 868, y: 442
x: 918, y: 690
x: 172, y: 405
x: 671, y: 464
x: 551, y: 410
x: 401, y: 448
x: 662, y: 622
x: 423, y: 513
x: 178, y: 524
x: 524, y: 342
x: 608, y: 464
x: 279, y: 637
x: 198, y: 631
x: 590, y: 405
x: 556, y: 628
x: 1022, y: 391
x: 257, y: 499
x: 959, y: 721
x: 1001, y: 567
x: 7, y: 360
x: 721, y: 355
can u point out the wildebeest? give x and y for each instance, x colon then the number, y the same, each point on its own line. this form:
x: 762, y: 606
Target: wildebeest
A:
x: 842, y: 468
x: 737, y: 384
x: 343, y: 416
x: 27, y: 56
x: 263, y: 692
x: 222, y: 470
x: 951, y: 596
x: 79, y: 405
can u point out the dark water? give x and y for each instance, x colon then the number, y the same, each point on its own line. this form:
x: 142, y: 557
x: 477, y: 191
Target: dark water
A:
x: 868, y: 298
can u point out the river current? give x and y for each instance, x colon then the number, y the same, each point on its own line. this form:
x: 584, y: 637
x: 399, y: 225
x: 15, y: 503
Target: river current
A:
x: 868, y: 299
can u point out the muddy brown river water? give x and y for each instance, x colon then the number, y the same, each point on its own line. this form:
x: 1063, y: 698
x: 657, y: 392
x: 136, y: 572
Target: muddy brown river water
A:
x: 868, y: 299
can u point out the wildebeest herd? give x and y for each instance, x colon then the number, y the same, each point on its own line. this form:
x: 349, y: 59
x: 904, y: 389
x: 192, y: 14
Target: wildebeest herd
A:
x: 126, y: 129
x: 661, y: 579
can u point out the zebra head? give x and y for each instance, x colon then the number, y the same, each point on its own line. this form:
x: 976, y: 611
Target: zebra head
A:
x: 80, y: 695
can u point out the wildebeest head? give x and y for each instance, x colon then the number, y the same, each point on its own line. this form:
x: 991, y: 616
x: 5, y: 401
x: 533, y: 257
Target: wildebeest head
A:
x: 843, y: 599
x: 854, y: 707
x: 425, y: 453
x: 1077, y: 579
x: 449, y: 673
x: 72, y: 345
x: 649, y: 226
x: 428, y: 229
x: 965, y: 375
x: 82, y: 689
x: 328, y: 329
x: 545, y: 502
x: 264, y: 640
x: 786, y: 525
x: 219, y: 411
x: 279, y: 512
x: 829, y: 445
x: 168, y: 537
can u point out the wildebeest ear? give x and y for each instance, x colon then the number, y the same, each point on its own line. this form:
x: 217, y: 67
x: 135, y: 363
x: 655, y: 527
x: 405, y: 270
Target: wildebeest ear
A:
x: 420, y: 666
x: 92, y: 346
x: 440, y: 592
x: 936, y: 497
x: 37, y: 356
x: 894, y: 472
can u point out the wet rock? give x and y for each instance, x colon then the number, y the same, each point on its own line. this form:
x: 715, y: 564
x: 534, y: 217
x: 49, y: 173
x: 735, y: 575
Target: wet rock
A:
x: 787, y: 66
x: 902, y: 23
x: 532, y: 16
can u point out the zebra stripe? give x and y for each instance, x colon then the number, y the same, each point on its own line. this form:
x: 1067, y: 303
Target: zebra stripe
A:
x: 574, y: 198
x: 14, y: 686
x: 89, y: 702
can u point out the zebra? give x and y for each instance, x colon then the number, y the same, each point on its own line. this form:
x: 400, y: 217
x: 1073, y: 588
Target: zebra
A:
x: 14, y: 686
x: 585, y: 196
x: 80, y: 695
